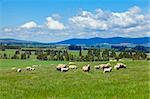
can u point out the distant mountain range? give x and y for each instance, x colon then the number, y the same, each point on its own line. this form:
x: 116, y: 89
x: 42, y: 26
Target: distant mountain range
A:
x: 15, y: 41
x: 90, y: 41
x: 113, y: 40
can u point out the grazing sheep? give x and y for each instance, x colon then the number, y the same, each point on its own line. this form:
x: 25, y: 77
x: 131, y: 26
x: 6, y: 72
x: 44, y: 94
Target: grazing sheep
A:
x: 59, y: 66
x: 64, y: 69
x: 97, y: 67
x: 86, y: 68
x: 32, y: 69
x: 119, y: 65
x: 28, y: 68
x: 18, y: 70
x: 107, y: 70
x: 102, y: 66
x: 72, y: 66
x: 13, y: 68
x: 34, y: 65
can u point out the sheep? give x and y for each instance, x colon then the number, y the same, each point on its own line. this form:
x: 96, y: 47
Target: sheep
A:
x: 13, y: 68
x: 97, y: 67
x: 102, y: 66
x: 18, y: 70
x: 32, y: 69
x: 107, y: 70
x: 72, y: 66
x: 34, y: 65
x: 119, y: 65
x: 64, y: 69
x: 28, y: 68
x: 86, y: 68
x: 59, y: 66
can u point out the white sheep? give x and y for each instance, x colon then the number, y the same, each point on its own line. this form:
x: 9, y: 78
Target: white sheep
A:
x: 18, y: 70
x: 64, y: 69
x: 119, y: 65
x: 102, y: 66
x: 34, y: 65
x: 72, y: 66
x: 86, y: 68
x: 13, y: 68
x: 107, y: 70
x: 32, y: 69
x: 28, y: 68
x: 59, y: 66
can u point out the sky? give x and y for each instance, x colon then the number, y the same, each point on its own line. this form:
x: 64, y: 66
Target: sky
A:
x: 56, y: 20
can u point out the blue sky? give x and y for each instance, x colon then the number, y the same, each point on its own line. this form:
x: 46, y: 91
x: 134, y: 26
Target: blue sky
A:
x: 50, y: 18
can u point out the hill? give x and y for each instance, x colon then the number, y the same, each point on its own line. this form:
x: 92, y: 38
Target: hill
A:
x: 90, y: 41
x: 113, y: 40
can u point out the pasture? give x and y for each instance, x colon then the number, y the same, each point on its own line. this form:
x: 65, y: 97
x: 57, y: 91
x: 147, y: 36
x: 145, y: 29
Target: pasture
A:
x: 47, y: 83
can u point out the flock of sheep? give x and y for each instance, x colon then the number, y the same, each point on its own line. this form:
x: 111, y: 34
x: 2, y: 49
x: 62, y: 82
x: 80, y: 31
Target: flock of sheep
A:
x: 28, y: 68
x: 105, y: 67
x: 65, y: 67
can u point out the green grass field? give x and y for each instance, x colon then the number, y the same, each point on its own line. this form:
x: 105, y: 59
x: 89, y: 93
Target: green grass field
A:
x: 47, y: 83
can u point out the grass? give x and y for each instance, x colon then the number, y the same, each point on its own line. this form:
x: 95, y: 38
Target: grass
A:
x: 47, y: 83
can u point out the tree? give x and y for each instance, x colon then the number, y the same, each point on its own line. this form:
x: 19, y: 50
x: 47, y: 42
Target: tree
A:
x: 105, y: 55
x: 23, y: 56
x: 14, y: 57
x: 139, y: 56
x: 98, y: 55
x: 66, y: 55
x: 17, y: 52
x: 120, y: 55
x: 28, y: 56
x: 113, y: 54
x: 5, y: 56
x: 42, y: 57
x: 117, y: 58
x: 90, y: 56
x: 71, y: 57
x: 80, y: 52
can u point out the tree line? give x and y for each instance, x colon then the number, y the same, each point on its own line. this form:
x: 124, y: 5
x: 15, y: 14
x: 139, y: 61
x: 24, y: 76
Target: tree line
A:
x: 64, y: 55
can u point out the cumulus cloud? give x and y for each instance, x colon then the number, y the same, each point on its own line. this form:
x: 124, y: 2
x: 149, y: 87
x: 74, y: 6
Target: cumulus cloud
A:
x: 7, y: 29
x: 54, y: 24
x: 88, y: 20
x: 29, y: 25
x: 87, y: 24
x: 128, y: 18
x: 103, y: 20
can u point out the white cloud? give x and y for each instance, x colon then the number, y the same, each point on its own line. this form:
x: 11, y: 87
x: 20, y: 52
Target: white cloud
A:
x: 29, y: 25
x: 128, y: 18
x: 7, y: 29
x: 87, y: 20
x: 54, y: 24
x: 87, y: 24
x: 104, y: 20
